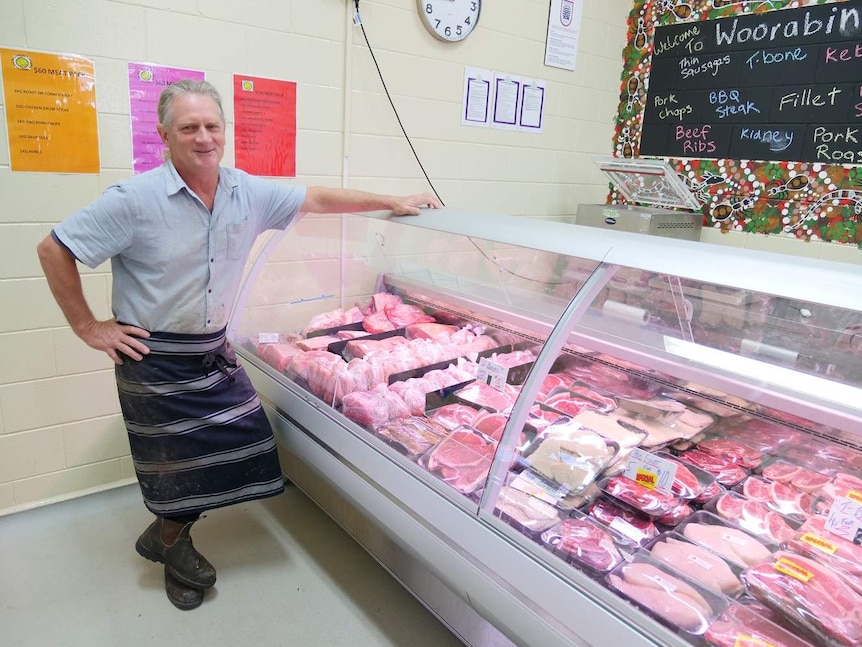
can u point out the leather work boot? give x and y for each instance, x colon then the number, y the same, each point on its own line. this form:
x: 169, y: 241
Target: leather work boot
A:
x: 181, y: 596
x: 179, y: 556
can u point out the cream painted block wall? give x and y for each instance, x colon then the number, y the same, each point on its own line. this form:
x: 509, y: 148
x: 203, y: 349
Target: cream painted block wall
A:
x: 60, y: 429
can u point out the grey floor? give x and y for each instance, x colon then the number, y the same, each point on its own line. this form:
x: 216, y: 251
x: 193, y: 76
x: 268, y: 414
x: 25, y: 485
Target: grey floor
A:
x: 287, y: 575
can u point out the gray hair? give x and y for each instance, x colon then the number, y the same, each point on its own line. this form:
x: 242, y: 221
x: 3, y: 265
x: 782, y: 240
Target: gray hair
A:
x: 185, y: 86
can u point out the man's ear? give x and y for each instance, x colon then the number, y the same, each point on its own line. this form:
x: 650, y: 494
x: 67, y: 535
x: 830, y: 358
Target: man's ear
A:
x: 162, y: 133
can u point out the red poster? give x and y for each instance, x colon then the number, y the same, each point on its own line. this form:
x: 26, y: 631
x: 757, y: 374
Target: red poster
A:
x: 265, y: 126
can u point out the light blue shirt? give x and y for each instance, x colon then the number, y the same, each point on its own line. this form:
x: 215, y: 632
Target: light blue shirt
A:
x: 176, y: 267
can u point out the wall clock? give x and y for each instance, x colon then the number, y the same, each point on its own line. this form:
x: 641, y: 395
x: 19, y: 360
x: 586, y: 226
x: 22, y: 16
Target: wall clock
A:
x: 450, y: 20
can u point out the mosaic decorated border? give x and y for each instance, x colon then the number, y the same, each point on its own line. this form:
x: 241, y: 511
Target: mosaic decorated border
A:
x: 810, y: 201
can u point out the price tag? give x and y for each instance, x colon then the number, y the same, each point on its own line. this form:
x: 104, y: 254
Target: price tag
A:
x: 845, y: 517
x: 651, y: 471
x: 267, y: 338
x: 492, y: 373
x: 539, y: 487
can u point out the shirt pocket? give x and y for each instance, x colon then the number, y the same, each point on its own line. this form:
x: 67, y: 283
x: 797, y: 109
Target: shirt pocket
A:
x: 237, y: 245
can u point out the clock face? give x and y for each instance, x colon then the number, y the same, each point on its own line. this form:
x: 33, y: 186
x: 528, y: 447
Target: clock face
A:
x: 450, y: 20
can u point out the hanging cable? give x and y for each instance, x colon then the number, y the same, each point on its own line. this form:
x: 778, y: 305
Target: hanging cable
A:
x: 358, y: 21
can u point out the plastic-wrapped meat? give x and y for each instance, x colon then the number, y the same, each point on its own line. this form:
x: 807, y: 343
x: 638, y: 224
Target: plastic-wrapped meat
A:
x: 462, y: 459
x: 378, y: 303
x: 584, y: 543
x: 814, y: 541
x: 572, y: 460
x: 482, y: 395
x: 552, y: 381
x: 414, y: 435
x: 378, y: 322
x: 452, y: 416
x: 363, y: 347
x: 672, y: 599
x: 669, y: 509
x: 753, y: 517
x: 778, y: 496
x: 636, y: 527
x: 403, y: 315
x: 701, y: 565
x: 565, y: 403
x: 490, y: 424
x: 279, y: 355
x: 602, y: 402
x: 527, y: 511
x: 723, y: 469
x: 316, y: 343
x: 811, y: 595
x: 300, y: 365
x: 760, y: 434
x: 333, y: 319
x: 741, y: 626
x: 734, y: 544
x: 375, y: 407
x: 612, y: 380
x: 686, y: 484
x: 436, y: 332
x: 737, y: 452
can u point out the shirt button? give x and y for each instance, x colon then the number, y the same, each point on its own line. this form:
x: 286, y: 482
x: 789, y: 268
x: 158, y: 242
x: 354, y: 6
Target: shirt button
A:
x: 209, y: 321
x: 209, y: 291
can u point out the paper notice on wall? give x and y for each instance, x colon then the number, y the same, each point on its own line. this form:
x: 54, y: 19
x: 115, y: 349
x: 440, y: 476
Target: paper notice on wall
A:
x: 507, y: 92
x: 532, y: 106
x: 146, y: 82
x: 564, y: 30
x: 265, y: 126
x: 476, y: 103
x: 51, y: 115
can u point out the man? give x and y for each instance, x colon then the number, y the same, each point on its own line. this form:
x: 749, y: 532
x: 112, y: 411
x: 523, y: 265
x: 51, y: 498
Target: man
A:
x: 178, y: 238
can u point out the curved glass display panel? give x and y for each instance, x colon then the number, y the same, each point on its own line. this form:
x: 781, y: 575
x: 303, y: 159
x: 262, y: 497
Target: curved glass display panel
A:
x: 651, y: 430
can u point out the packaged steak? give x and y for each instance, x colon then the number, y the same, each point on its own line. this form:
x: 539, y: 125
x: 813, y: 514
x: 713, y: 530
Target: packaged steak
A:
x: 734, y: 450
x: 462, y: 459
x: 742, y: 626
x: 777, y: 496
x: 690, y: 482
x: 665, y: 509
x: 670, y: 597
x: 479, y: 394
x: 637, y: 527
x: 811, y: 595
x: 588, y: 545
x: 753, y: 517
x: 810, y: 478
x: 814, y: 540
x: 725, y: 471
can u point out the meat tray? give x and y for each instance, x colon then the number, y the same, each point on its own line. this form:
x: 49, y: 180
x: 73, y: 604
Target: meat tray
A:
x: 753, y: 517
x: 668, y: 510
x: 588, y: 545
x: 741, y: 625
x: 340, y: 347
x: 691, y: 482
x: 527, y: 514
x: 671, y: 598
x: 726, y: 539
x: 575, y: 400
x: 699, y: 563
x: 780, y: 497
x: 462, y: 459
x: 517, y: 373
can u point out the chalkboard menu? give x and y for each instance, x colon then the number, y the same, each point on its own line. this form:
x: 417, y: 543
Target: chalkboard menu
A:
x: 784, y: 85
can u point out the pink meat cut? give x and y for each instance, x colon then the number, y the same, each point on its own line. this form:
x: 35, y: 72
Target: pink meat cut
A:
x: 634, y: 526
x: 463, y: 460
x: 814, y: 597
x: 781, y: 471
x: 651, y: 502
x: 741, y: 626
x: 754, y: 517
x: 737, y: 452
x: 483, y: 395
x: 451, y: 416
x: 668, y: 597
x: 813, y: 540
x: 699, y: 564
x: 587, y: 544
x: 736, y: 545
x: 723, y: 469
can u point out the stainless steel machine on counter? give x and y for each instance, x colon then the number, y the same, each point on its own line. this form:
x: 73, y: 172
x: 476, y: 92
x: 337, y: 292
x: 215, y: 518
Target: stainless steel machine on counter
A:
x: 590, y: 388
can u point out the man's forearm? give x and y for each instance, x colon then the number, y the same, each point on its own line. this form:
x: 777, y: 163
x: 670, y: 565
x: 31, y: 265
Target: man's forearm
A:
x: 65, y: 282
x: 328, y: 200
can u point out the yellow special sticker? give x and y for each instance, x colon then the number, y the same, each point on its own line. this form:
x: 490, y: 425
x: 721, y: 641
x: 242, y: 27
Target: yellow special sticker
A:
x: 791, y: 568
x: 821, y: 544
x: 750, y: 641
x: 647, y: 478
x: 853, y: 495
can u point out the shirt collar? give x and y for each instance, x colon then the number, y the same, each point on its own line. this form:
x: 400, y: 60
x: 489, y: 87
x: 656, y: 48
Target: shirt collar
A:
x: 174, y: 183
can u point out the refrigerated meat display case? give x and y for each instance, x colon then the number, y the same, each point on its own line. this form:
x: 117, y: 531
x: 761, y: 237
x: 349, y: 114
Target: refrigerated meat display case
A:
x: 557, y: 435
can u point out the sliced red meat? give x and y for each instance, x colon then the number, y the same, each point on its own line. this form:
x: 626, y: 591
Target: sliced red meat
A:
x: 403, y: 315
x: 815, y: 541
x: 723, y: 469
x: 568, y: 405
x: 378, y: 322
x: 490, y: 424
x: 737, y: 452
x: 756, y: 489
x: 483, y: 395
x: 463, y: 460
x: 451, y: 416
x: 812, y: 595
x: 585, y: 543
x: 786, y: 500
x: 740, y: 626
x: 653, y: 503
x: 781, y: 471
x: 810, y: 482
x: 636, y: 527
x: 440, y: 333
x: 552, y: 381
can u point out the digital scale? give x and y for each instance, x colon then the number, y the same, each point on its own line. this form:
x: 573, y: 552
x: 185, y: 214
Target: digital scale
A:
x: 649, y: 182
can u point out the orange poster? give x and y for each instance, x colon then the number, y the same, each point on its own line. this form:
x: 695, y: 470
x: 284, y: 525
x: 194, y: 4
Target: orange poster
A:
x: 264, y: 113
x: 50, y: 112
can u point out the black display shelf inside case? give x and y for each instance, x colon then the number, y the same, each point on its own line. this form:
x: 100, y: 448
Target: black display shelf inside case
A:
x: 632, y: 316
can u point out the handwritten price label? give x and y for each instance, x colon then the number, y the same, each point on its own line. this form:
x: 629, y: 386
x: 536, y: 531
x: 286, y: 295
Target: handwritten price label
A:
x: 492, y: 373
x: 651, y: 471
x: 845, y: 517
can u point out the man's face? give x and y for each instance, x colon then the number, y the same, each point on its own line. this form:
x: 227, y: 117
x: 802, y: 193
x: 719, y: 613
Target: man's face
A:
x: 195, y: 135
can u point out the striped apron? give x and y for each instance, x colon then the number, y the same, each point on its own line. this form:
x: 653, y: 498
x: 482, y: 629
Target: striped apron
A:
x: 198, y: 434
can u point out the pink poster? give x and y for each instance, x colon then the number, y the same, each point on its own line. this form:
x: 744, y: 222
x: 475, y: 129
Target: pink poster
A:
x: 146, y: 81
